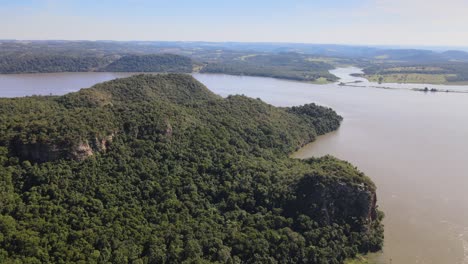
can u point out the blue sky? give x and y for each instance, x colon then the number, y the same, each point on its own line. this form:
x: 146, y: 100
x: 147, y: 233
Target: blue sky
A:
x: 380, y: 22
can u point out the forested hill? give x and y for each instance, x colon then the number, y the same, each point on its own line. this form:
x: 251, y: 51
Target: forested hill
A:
x: 293, y: 61
x: 151, y: 63
x: 50, y: 63
x: 40, y: 63
x: 157, y: 169
x: 291, y: 66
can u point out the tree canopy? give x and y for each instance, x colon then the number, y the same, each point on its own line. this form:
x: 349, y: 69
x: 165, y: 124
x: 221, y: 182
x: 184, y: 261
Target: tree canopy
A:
x: 157, y: 169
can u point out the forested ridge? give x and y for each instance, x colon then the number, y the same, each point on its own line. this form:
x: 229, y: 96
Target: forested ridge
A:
x: 452, y: 71
x: 290, y: 66
x: 170, y: 57
x: 151, y: 63
x: 49, y: 63
x: 293, y: 61
x: 41, y: 63
x: 157, y: 169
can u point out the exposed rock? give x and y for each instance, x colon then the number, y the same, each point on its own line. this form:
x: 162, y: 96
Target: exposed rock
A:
x: 101, y: 144
x: 168, y: 129
x: 82, y: 151
x: 50, y: 151
x: 37, y: 152
x: 334, y: 201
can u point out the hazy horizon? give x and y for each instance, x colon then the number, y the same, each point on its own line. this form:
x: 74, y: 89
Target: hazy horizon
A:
x: 395, y: 46
x: 411, y: 23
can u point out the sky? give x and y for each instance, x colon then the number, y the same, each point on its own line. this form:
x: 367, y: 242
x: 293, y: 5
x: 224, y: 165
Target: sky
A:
x: 363, y: 22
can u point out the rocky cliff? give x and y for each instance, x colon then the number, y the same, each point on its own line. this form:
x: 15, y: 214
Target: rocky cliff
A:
x: 53, y: 150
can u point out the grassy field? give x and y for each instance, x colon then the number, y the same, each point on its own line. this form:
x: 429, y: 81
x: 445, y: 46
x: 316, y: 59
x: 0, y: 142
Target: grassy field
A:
x: 321, y: 80
x: 415, y: 69
x: 247, y: 56
x: 197, y: 68
x: 321, y: 59
x: 409, y: 78
x: 382, y: 57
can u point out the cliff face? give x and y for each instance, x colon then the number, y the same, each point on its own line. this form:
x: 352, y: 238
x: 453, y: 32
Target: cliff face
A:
x: 332, y: 200
x: 37, y: 152
x: 51, y: 151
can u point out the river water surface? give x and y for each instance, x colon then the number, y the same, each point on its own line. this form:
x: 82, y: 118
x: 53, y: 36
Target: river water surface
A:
x: 14, y: 85
x: 413, y: 145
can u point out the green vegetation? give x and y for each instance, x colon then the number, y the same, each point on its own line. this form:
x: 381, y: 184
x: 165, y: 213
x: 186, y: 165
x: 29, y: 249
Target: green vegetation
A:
x: 303, y: 62
x: 157, y: 169
x: 247, y: 56
x: 370, y: 258
x: 290, y: 66
x: 135, y: 58
x: 49, y: 63
x: 359, y: 259
x: 151, y: 63
x: 178, y: 57
x: 323, y: 59
x: 64, y: 63
x: 408, y: 78
x: 321, y: 80
x: 433, y: 72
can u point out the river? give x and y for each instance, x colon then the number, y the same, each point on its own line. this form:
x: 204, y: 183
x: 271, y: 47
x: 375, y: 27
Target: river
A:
x: 413, y: 145
x: 15, y: 85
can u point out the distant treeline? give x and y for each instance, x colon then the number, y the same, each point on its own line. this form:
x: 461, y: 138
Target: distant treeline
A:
x: 453, y: 71
x: 304, y: 62
x: 290, y: 66
x: 49, y: 63
x: 86, y: 56
x: 63, y: 63
x: 151, y: 63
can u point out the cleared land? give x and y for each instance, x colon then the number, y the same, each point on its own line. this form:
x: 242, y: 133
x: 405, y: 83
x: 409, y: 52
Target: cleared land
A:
x: 409, y: 78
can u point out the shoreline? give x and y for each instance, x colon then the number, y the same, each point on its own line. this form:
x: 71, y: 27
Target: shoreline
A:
x: 424, y: 90
x: 367, y: 77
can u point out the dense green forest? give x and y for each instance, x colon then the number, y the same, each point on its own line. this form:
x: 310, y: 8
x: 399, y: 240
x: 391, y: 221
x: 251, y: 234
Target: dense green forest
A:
x: 65, y: 63
x: 49, y: 63
x: 290, y: 66
x: 151, y: 63
x: 157, y: 169
x: 181, y: 57
x: 209, y: 51
x: 295, y: 61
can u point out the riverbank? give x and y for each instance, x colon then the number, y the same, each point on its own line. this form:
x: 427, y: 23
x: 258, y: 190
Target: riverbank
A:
x: 425, y: 90
x: 353, y: 77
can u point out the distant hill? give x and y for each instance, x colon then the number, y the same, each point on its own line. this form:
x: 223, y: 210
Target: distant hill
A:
x: 29, y: 63
x: 293, y: 61
x: 49, y: 63
x: 455, y: 55
x: 291, y: 66
x: 204, y: 50
x: 151, y: 63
